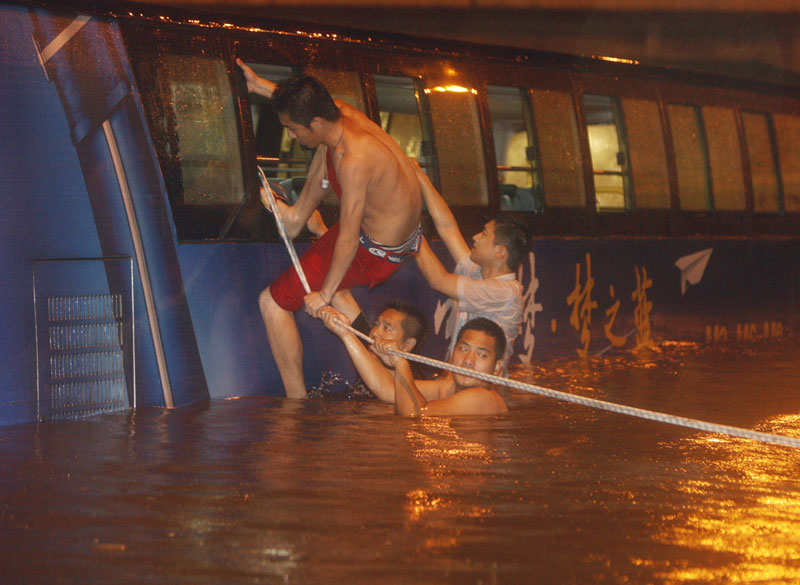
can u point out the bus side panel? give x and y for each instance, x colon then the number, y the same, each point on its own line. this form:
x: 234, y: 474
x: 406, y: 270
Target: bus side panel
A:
x: 223, y: 282
x: 599, y: 295
x: 46, y: 211
x: 94, y: 81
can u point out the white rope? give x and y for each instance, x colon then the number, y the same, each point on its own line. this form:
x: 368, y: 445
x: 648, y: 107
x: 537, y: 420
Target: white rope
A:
x: 594, y: 403
x: 282, y: 230
x: 661, y: 417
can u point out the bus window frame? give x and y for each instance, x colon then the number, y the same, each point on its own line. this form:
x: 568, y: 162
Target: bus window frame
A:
x: 788, y: 221
x: 215, y: 221
x: 431, y: 71
x: 371, y: 65
x: 552, y: 220
x: 490, y: 156
x: 714, y: 221
x: 635, y: 220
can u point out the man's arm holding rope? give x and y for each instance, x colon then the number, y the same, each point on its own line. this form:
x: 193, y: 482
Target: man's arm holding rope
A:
x: 375, y: 376
x: 353, y: 178
x: 408, y: 400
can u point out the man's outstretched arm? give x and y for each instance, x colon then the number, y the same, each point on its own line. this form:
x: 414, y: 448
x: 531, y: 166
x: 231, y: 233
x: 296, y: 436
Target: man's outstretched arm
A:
x: 374, y: 374
x: 442, y: 217
x: 353, y: 177
x: 256, y: 84
x: 434, y: 272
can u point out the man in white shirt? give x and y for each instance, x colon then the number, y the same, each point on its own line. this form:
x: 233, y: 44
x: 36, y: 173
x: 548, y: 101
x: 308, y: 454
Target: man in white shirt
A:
x: 484, y: 283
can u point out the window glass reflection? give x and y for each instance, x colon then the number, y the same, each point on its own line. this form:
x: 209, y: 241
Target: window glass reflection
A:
x: 559, y: 148
x: 462, y: 170
x: 787, y: 136
x: 609, y: 159
x: 725, y: 158
x: 647, y: 154
x: 200, y: 106
x: 403, y: 115
x: 690, y: 157
x: 517, y: 161
x: 763, y: 170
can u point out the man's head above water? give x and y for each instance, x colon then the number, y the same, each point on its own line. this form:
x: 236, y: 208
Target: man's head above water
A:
x: 480, y: 346
x: 402, y: 322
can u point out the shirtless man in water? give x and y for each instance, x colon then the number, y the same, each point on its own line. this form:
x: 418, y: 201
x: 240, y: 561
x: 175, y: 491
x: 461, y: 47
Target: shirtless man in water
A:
x: 480, y: 346
x: 378, y: 227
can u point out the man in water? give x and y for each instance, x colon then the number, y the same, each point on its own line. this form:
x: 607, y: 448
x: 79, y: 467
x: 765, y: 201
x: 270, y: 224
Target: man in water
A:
x: 399, y: 322
x: 480, y: 346
x: 380, y: 205
x: 484, y: 283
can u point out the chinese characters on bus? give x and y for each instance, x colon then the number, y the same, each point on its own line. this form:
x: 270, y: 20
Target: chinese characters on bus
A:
x: 583, y: 304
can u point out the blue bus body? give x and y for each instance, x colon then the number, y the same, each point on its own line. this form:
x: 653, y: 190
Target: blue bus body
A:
x: 105, y: 305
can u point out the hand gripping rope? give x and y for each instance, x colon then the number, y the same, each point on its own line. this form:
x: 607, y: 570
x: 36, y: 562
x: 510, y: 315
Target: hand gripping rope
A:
x: 547, y: 392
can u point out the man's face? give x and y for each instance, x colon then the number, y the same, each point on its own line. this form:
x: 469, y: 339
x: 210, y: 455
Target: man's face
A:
x: 475, y: 350
x: 305, y: 135
x: 483, y: 246
x: 388, y: 327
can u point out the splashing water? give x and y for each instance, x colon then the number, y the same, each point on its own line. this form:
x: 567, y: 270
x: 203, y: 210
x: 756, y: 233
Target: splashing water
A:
x: 334, y: 386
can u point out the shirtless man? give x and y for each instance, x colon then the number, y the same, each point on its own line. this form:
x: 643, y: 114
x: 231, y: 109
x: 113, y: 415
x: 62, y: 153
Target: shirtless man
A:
x: 399, y: 322
x: 484, y: 282
x: 378, y: 227
x: 480, y: 346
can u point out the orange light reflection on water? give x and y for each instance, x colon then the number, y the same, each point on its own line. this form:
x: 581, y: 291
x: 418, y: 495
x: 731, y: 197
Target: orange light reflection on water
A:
x: 445, y: 456
x: 746, y: 517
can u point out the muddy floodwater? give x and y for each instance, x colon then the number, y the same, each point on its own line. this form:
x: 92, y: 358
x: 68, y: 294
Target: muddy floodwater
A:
x: 266, y: 490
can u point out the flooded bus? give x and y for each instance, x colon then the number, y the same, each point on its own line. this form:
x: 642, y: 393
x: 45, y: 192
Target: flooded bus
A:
x: 664, y: 205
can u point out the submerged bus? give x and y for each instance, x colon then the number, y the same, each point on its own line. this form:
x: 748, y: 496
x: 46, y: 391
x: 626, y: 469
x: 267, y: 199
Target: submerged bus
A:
x: 664, y: 205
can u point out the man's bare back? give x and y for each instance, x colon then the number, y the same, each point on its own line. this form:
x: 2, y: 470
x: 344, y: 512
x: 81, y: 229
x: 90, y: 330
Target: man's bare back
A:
x: 393, y: 201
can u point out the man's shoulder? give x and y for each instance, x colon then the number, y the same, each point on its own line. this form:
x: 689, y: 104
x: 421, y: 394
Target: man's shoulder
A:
x: 482, y: 400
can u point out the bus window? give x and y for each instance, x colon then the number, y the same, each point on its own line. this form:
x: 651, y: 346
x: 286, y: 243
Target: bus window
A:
x: 201, y: 106
x: 725, y: 160
x: 462, y: 169
x: 342, y: 85
x: 691, y: 160
x: 787, y: 136
x: 648, y: 156
x: 763, y: 168
x: 559, y: 149
x: 186, y: 85
x: 515, y: 150
x: 609, y: 157
x: 402, y: 117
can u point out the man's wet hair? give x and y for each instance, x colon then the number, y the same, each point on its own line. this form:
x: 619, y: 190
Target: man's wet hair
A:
x: 515, y: 236
x: 491, y: 329
x: 415, y: 323
x: 303, y: 98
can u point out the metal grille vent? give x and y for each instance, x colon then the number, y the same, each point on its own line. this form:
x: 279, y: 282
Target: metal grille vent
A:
x: 87, y: 374
x: 84, y: 341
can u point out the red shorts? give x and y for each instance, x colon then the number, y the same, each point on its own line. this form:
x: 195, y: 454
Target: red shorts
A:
x: 365, y: 270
